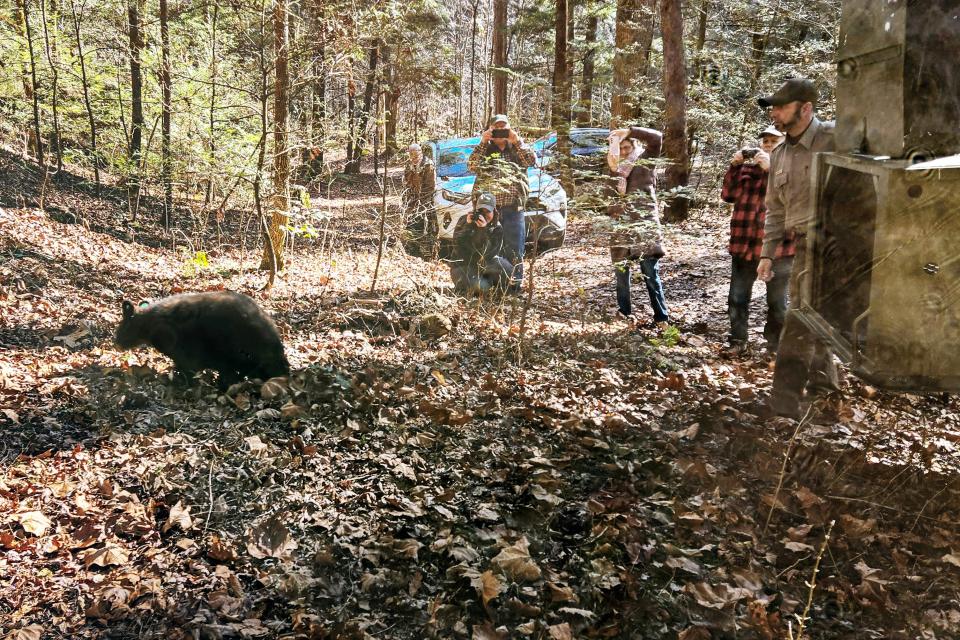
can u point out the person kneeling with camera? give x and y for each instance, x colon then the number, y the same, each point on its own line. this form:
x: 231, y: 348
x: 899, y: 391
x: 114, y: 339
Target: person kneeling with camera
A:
x: 500, y: 161
x: 479, y: 265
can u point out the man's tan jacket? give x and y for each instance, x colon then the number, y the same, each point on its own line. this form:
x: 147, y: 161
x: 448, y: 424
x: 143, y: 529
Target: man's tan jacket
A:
x: 788, y: 192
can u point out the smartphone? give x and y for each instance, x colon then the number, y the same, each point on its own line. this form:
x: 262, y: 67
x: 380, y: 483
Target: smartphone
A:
x: 500, y: 133
x: 749, y: 153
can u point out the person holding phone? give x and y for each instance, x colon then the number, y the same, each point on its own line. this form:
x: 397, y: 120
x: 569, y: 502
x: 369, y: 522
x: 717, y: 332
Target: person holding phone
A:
x: 745, y: 186
x: 500, y: 163
x: 636, y: 236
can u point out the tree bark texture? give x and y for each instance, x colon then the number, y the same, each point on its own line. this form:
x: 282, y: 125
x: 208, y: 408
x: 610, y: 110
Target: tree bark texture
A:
x: 701, y: 35
x: 471, y: 123
x: 212, y: 121
x: 675, y: 96
x: 165, y: 91
x: 77, y: 18
x: 278, y: 203
x: 136, y: 80
x: 585, y: 107
x: 391, y: 99
x: 136, y: 106
x: 560, y: 109
x: 33, y: 92
x: 634, y: 35
x: 500, y: 56
x: 50, y: 49
x: 363, y: 118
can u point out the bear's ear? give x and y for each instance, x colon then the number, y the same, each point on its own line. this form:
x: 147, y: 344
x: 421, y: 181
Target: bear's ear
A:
x: 127, y: 309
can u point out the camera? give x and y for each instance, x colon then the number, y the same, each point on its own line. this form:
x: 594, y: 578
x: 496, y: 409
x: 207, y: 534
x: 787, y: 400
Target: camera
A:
x: 500, y: 133
x: 749, y: 154
x: 477, y: 215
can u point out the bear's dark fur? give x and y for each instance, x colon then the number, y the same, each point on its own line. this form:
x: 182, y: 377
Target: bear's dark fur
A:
x: 220, y: 330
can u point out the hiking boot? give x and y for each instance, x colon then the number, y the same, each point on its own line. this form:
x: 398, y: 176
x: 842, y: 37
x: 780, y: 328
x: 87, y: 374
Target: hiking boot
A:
x: 735, y: 350
x: 783, y: 405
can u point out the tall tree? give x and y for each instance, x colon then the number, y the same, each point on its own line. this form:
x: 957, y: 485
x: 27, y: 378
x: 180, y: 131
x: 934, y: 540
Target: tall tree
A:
x: 585, y: 106
x: 391, y: 98
x: 500, y: 56
x: 33, y: 93
x: 165, y: 91
x: 212, y: 109
x: 633, y: 38
x: 279, y: 203
x: 701, y: 35
x: 363, y: 118
x: 136, y: 103
x: 675, y: 96
x: 77, y: 18
x: 560, y: 110
x: 471, y: 123
x: 50, y: 48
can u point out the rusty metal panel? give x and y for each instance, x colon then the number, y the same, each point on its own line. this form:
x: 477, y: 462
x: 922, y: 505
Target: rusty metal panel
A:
x: 898, y: 88
x: 883, y: 275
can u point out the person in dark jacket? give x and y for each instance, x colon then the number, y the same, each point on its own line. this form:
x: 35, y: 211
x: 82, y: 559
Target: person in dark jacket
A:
x: 636, y: 234
x: 500, y: 162
x: 745, y: 186
x: 479, y: 265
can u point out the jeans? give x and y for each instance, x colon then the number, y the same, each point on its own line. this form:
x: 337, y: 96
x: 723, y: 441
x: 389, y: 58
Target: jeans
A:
x: 514, y: 238
x: 743, y: 275
x: 802, y: 361
x: 650, y: 269
x: 478, y: 278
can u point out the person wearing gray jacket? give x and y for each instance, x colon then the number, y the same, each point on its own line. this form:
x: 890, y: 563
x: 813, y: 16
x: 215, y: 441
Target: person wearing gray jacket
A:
x: 802, y: 360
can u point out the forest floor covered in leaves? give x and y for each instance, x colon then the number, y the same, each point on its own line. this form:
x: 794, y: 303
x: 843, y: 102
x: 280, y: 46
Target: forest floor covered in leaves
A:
x: 429, y: 469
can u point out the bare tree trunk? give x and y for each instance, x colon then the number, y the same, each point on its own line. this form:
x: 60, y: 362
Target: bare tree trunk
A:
x: 471, y: 123
x: 634, y: 34
x: 212, y: 123
x: 701, y: 35
x: 320, y: 106
x: 382, y: 235
x: 391, y: 101
x: 19, y: 25
x: 50, y: 49
x: 353, y: 162
x: 279, y: 204
x: 675, y: 95
x: 351, y: 116
x: 560, y: 111
x: 760, y: 38
x: 77, y: 17
x: 584, y: 113
x: 165, y: 90
x: 136, y: 99
x: 269, y: 248
x: 500, y: 56
x: 34, y: 92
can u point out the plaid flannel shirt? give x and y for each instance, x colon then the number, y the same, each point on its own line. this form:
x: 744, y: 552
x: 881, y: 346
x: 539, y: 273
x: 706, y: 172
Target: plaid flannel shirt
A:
x: 745, y: 185
x: 497, y: 174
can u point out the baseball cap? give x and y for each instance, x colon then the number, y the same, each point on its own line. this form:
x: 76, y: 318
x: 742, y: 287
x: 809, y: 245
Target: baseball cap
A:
x: 486, y: 201
x: 771, y: 131
x: 793, y: 90
x: 499, y: 118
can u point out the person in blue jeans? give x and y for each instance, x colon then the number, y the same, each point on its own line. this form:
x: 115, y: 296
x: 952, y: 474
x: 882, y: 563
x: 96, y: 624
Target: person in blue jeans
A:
x: 479, y: 265
x: 500, y: 162
x: 745, y: 186
x: 636, y: 219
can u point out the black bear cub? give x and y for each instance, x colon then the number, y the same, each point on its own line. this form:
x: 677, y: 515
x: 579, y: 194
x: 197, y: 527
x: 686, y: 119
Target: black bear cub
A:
x: 220, y: 330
